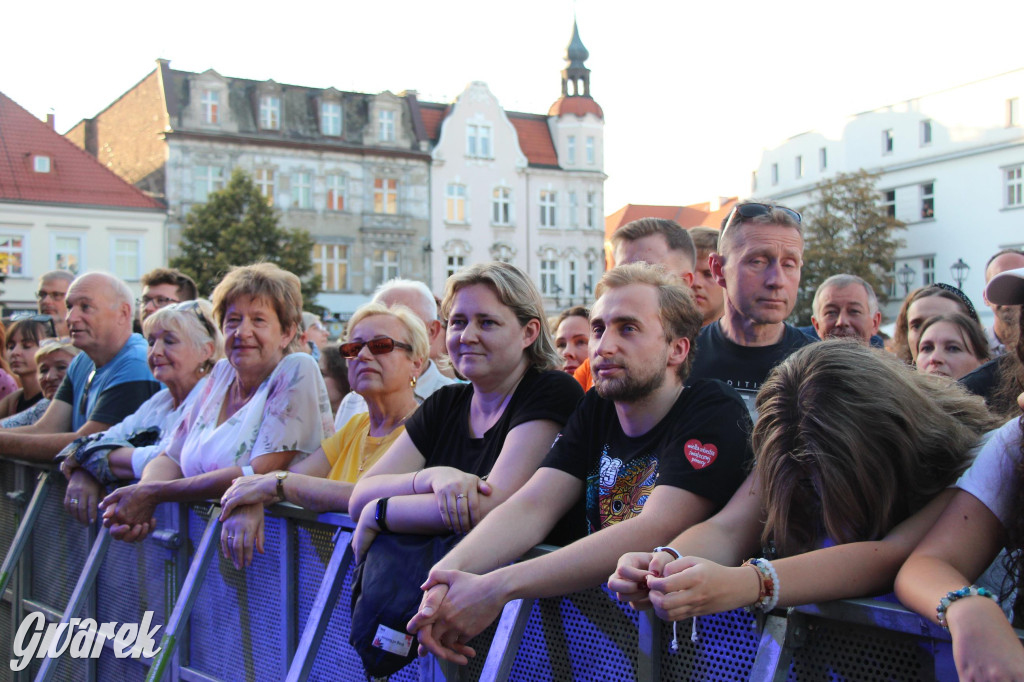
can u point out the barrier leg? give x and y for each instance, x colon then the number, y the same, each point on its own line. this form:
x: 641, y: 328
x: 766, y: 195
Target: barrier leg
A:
x: 20, y: 541
x: 80, y: 594
x: 649, y: 647
x: 323, y: 605
x: 774, y: 653
x: 507, y: 638
x: 187, y: 598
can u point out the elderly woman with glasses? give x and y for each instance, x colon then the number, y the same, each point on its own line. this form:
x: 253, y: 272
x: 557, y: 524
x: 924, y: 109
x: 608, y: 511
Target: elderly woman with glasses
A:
x: 183, y: 346
x: 387, y: 347
x: 23, y: 337
x: 263, y: 406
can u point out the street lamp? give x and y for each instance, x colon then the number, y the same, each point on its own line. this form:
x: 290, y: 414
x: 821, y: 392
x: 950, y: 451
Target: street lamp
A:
x: 959, y: 271
x: 558, y: 291
x: 905, y: 276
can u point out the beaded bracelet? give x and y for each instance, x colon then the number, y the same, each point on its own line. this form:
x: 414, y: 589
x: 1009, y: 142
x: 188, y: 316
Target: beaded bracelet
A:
x: 965, y: 591
x: 768, y: 594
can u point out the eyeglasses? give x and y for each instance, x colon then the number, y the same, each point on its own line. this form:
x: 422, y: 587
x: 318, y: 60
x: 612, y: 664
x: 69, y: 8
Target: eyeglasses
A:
x: 55, y: 295
x: 186, y: 306
x: 753, y: 210
x: 378, y: 346
x: 40, y: 319
x: 158, y: 301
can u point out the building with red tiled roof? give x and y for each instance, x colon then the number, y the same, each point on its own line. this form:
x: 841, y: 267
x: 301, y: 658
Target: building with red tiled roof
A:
x: 60, y: 208
x: 523, y: 188
x: 706, y: 214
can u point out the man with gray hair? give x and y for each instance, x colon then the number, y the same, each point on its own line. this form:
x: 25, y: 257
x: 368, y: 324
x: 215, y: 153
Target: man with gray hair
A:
x: 417, y: 297
x: 105, y: 383
x: 53, y: 288
x: 845, y: 307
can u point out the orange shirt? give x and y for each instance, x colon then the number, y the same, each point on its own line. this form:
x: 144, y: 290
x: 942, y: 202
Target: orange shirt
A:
x: 582, y: 375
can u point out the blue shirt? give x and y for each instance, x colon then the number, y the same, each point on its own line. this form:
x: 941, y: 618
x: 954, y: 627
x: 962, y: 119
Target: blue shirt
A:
x: 112, y: 392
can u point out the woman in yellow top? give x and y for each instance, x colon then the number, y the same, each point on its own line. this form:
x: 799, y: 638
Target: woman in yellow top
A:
x: 386, y: 349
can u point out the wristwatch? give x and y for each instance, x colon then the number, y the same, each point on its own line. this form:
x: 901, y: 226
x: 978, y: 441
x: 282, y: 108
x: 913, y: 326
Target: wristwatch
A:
x: 380, y: 516
x: 281, y: 475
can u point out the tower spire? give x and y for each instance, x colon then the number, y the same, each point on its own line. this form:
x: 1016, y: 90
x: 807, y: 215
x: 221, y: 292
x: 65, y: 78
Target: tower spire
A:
x: 576, y: 76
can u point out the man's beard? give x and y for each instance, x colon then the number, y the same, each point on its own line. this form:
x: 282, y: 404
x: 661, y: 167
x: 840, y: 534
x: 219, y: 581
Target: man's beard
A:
x: 843, y: 333
x: 629, y: 388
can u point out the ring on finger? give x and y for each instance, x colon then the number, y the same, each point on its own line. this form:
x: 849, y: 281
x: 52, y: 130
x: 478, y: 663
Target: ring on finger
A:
x: 231, y: 537
x: 460, y: 496
x: 73, y: 500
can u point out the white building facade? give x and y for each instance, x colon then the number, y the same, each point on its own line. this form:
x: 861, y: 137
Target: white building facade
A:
x: 950, y: 164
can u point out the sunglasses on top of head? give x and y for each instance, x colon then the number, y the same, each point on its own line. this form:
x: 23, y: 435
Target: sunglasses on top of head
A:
x: 378, y: 346
x: 753, y: 210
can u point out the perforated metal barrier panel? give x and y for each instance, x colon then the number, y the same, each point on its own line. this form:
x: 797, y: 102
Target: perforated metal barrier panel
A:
x: 246, y: 624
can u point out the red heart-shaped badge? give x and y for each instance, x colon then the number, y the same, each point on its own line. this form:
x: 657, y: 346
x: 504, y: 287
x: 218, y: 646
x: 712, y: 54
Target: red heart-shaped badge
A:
x: 698, y: 454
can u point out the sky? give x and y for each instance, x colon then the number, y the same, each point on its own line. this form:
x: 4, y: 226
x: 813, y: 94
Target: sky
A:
x: 692, y: 92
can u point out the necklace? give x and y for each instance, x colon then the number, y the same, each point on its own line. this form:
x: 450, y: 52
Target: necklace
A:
x: 364, y: 456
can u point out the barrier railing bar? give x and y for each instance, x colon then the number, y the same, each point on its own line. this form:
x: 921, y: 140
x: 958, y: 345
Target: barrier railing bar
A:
x: 773, y: 652
x: 187, y: 597
x: 507, y: 638
x: 323, y: 604
x: 81, y: 593
x: 24, y: 531
x: 648, y: 668
x: 192, y: 675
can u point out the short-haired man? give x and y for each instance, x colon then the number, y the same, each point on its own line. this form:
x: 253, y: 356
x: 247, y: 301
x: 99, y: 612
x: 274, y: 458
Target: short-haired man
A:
x: 104, y: 383
x: 760, y: 253
x: 655, y: 241
x: 417, y: 297
x: 845, y: 307
x: 707, y: 293
x: 644, y: 455
x: 1003, y: 333
x: 53, y: 288
x: 162, y: 287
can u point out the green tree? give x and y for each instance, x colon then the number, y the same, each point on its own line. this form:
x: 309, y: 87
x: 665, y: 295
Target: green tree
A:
x: 236, y: 226
x: 847, y: 230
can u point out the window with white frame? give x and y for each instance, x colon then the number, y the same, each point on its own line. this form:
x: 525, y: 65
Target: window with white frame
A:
x: 591, y: 153
x: 12, y: 254
x: 1013, y: 111
x: 270, y: 112
x: 264, y: 179
x: 1014, y: 186
x: 548, y: 204
x: 570, y: 146
x: 478, y: 140
x: 455, y: 203
x: 455, y: 263
x: 126, y: 258
x: 887, y: 141
x: 330, y: 261
x: 591, y: 209
x: 337, y: 191
x: 889, y: 202
x: 549, y: 275
x: 67, y: 253
x: 330, y: 118
x: 775, y: 173
x: 823, y: 158
x: 926, y: 132
x: 928, y: 270
x: 41, y: 163
x: 574, y: 209
x: 588, y: 286
x: 572, y: 280
x: 207, y: 179
x: 302, y: 190
x: 501, y: 204
x: 385, y: 195
x: 386, y: 126
x: 210, y: 103
x: 927, y: 201
x: 385, y: 265
x: 798, y: 167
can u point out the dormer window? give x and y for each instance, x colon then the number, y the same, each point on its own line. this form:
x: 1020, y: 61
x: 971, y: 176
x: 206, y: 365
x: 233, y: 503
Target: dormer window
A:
x: 41, y: 163
x: 330, y: 118
x: 270, y: 112
x: 210, y: 103
x: 386, y: 126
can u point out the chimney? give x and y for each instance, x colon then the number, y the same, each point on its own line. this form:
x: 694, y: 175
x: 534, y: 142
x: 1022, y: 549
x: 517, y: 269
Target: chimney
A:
x: 51, y: 121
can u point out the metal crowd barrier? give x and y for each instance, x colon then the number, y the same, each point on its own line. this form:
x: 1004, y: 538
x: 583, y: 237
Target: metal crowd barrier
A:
x: 287, y: 616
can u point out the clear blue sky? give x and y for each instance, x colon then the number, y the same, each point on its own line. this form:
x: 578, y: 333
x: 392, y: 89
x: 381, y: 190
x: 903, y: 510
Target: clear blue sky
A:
x: 691, y: 93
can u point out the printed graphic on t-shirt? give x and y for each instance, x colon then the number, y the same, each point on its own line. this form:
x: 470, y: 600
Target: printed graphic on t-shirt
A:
x: 621, y: 488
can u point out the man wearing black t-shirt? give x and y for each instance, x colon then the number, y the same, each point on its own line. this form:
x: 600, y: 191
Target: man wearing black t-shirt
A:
x: 645, y: 456
x: 760, y: 253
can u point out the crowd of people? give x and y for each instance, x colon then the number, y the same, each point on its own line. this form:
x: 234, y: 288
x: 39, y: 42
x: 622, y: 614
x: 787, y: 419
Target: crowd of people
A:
x: 660, y: 436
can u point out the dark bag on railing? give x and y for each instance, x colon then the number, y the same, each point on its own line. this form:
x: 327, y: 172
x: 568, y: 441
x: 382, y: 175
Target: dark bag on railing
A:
x: 386, y: 595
